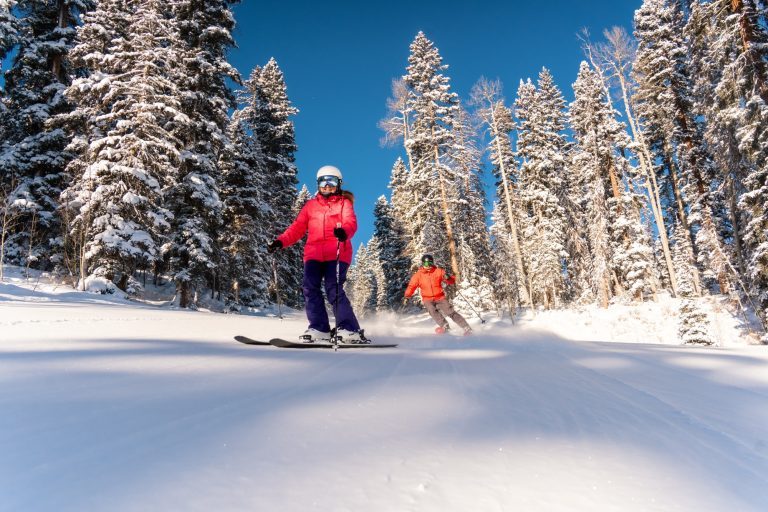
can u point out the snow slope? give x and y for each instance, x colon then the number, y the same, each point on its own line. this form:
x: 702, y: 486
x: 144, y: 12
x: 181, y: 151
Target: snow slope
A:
x: 112, y: 406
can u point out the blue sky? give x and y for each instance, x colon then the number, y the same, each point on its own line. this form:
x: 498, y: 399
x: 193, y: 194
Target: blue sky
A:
x: 339, y: 59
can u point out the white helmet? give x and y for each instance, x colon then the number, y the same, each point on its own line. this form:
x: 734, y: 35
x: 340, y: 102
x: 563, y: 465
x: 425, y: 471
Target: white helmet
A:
x: 329, y: 170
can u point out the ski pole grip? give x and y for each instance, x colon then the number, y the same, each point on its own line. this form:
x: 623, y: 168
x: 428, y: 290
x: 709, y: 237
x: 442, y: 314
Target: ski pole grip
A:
x: 338, y: 224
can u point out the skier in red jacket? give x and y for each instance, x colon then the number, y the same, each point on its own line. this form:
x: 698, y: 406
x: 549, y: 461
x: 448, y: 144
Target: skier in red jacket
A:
x: 329, y: 221
x: 429, y: 279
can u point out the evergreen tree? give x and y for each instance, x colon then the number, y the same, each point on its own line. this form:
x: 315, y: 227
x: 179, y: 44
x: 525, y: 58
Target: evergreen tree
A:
x: 362, y: 287
x: 89, y: 120
x: 506, y: 279
x: 245, y: 214
x: 434, y: 108
x: 131, y: 152
x: 390, y: 250
x: 33, y: 157
x: 602, y: 167
x: 267, y: 112
x: 693, y: 325
x: 728, y: 57
x: 664, y: 100
x: 541, y: 149
x: 205, y: 36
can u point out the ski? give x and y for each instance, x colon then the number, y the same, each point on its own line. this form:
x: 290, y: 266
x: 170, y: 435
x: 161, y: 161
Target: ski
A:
x: 250, y: 341
x: 297, y: 344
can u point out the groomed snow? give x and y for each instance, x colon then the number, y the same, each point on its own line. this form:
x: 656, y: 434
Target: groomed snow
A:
x: 109, y: 405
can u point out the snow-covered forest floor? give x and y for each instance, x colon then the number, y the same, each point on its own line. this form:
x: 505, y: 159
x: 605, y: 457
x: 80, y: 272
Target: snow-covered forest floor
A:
x: 109, y: 404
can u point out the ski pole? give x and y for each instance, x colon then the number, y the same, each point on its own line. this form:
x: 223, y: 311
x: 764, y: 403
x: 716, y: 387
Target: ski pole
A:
x: 470, y: 305
x: 336, y: 300
x: 277, y: 288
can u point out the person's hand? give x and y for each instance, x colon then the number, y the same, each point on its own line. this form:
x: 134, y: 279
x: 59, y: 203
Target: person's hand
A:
x: 405, y: 300
x: 275, y: 245
x: 340, y: 234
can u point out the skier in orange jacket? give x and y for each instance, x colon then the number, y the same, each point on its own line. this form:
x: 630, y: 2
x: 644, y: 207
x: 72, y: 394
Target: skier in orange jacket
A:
x: 429, y: 279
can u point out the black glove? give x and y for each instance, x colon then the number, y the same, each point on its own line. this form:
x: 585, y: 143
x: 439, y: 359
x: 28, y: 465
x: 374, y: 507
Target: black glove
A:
x: 275, y: 245
x: 340, y: 234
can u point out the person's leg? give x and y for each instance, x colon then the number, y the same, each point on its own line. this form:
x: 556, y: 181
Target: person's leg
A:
x: 345, y: 317
x: 313, y: 295
x: 446, y: 309
x: 435, y: 314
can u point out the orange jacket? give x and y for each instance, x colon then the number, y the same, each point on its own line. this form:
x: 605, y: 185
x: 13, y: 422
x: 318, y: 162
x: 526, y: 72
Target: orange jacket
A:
x: 430, y: 281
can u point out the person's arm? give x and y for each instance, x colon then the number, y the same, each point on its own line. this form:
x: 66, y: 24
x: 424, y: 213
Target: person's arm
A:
x: 412, y: 285
x: 297, y: 230
x: 448, y: 279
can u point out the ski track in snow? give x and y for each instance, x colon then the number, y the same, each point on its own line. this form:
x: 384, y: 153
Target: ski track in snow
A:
x: 126, y: 408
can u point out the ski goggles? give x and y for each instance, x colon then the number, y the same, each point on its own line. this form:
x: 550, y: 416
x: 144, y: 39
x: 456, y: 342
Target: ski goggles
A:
x: 328, y: 181
x: 428, y: 263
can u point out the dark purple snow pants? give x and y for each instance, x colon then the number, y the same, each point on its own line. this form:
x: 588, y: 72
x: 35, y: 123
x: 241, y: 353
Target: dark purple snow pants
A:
x: 314, y: 273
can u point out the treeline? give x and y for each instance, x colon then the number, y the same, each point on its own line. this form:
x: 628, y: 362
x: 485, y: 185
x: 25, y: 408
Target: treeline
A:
x: 654, y: 178
x: 120, y: 160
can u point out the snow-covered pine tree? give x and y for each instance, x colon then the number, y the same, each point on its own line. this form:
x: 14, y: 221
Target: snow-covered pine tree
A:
x: 497, y: 118
x: 88, y: 120
x: 604, y: 144
x: 379, y: 300
x: 576, y: 203
x: 33, y: 156
x: 267, y: 112
x: 434, y: 108
x: 506, y: 280
x: 541, y: 149
x: 400, y: 199
x: 693, y: 324
x: 362, y: 286
x: 390, y: 250
x: 205, y: 33
x: 664, y: 102
x: 587, y: 116
x: 614, y: 60
x: 729, y: 55
x: 245, y: 214
x: 129, y: 152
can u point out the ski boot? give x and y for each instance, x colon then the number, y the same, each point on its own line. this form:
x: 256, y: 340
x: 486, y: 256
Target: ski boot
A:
x: 442, y: 329
x: 314, y: 336
x: 351, y: 337
x: 468, y: 331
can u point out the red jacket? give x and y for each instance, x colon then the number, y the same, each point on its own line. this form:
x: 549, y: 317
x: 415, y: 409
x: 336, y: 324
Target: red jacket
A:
x: 318, y: 218
x: 430, y: 281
